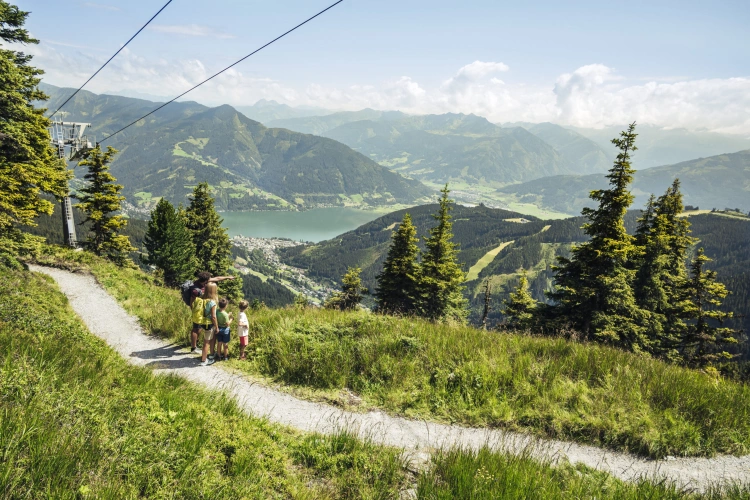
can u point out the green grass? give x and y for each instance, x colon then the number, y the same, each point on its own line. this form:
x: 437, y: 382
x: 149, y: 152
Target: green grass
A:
x: 78, y: 422
x: 487, y: 475
x: 547, y: 386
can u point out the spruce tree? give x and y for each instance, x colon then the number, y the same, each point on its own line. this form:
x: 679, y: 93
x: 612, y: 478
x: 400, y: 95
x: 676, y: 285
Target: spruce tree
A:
x: 661, y: 274
x: 442, y: 280
x: 170, y: 244
x: 397, y: 291
x: 100, y: 201
x: 212, y: 245
x: 351, y: 291
x: 594, y: 287
x: 705, y: 336
x: 28, y: 164
x: 520, y: 306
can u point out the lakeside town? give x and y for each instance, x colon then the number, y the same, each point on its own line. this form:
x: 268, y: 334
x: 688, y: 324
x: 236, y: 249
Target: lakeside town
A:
x: 291, y: 277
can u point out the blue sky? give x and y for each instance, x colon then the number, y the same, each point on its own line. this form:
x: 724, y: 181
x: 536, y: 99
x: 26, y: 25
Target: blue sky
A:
x: 584, y: 63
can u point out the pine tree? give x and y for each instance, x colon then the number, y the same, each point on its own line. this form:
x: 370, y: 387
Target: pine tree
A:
x: 594, y: 287
x: 705, y: 335
x: 212, y: 245
x: 170, y: 244
x: 661, y: 274
x: 351, y: 291
x: 397, y: 291
x: 28, y: 164
x: 100, y: 201
x: 442, y: 277
x: 520, y: 306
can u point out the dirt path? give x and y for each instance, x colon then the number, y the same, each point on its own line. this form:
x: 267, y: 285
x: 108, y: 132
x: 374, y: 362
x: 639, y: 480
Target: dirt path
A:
x: 108, y: 320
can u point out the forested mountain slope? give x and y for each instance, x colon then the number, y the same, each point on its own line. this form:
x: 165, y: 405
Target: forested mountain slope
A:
x: 476, y: 229
x: 721, y: 181
x: 533, y: 246
x: 248, y: 165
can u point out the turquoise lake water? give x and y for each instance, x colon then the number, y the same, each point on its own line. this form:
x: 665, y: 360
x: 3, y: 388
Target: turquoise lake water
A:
x: 312, y: 225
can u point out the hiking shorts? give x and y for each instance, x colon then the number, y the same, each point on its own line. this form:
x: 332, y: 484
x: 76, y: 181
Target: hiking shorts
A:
x: 197, y: 327
x: 223, y: 335
x: 208, y: 333
x: 243, y: 340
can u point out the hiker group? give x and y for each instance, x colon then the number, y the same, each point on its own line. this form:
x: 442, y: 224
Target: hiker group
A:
x: 208, y: 314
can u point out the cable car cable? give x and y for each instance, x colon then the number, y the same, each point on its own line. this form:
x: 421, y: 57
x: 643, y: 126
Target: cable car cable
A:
x: 223, y: 70
x: 108, y: 60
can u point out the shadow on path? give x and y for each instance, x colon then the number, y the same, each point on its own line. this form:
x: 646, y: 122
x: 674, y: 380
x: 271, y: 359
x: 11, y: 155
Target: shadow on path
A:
x: 168, y: 357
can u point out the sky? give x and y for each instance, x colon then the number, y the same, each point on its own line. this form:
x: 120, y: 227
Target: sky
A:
x: 675, y: 64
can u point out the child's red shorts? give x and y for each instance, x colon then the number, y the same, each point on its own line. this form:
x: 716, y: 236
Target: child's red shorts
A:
x: 243, y: 341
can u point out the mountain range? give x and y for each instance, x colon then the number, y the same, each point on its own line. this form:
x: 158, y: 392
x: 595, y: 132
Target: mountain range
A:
x: 457, y: 147
x: 721, y: 181
x: 248, y: 165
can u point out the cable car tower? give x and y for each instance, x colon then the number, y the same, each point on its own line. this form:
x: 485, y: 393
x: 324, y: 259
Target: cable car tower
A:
x: 69, y: 136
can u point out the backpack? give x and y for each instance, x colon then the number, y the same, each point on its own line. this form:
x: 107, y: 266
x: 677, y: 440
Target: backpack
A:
x: 186, y: 289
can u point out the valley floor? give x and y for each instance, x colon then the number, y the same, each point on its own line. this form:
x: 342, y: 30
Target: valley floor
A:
x: 107, y: 319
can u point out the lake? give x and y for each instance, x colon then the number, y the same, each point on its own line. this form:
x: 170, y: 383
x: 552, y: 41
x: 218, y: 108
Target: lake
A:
x: 311, y: 225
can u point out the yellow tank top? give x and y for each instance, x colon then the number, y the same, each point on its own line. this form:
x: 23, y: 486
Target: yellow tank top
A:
x: 198, y: 315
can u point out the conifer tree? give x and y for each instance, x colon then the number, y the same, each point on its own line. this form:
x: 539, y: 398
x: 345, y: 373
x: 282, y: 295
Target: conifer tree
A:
x: 100, y: 201
x: 594, y: 287
x: 397, y: 291
x: 28, y: 164
x: 351, y: 291
x: 661, y: 274
x: 705, y: 335
x: 170, y: 244
x: 212, y: 245
x: 442, y: 277
x: 520, y: 306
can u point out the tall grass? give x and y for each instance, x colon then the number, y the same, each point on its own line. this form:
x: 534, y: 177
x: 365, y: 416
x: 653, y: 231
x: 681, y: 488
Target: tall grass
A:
x: 487, y: 475
x: 551, y: 387
x: 77, y: 422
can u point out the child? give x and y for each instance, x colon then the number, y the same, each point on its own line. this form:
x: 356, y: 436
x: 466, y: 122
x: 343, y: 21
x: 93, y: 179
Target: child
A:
x: 244, y: 326
x: 210, y: 298
x: 224, y: 319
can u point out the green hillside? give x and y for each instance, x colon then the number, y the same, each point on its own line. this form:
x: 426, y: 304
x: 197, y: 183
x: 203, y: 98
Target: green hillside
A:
x: 532, y: 246
x: 446, y: 147
x: 247, y: 165
x: 721, y: 181
x: 546, y: 386
x: 476, y: 229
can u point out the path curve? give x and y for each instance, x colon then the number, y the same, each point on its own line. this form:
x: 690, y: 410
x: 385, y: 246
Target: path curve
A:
x: 108, y: 320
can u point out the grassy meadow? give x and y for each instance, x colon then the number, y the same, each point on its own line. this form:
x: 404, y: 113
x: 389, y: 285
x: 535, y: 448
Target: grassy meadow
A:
x: 547, y: 386
x: 78, y: 422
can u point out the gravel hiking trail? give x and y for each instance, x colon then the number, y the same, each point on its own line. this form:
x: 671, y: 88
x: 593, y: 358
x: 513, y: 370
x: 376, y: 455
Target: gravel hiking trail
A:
x: 106, y: 319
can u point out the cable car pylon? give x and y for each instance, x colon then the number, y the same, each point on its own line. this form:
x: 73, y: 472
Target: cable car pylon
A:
x: 69, y: 136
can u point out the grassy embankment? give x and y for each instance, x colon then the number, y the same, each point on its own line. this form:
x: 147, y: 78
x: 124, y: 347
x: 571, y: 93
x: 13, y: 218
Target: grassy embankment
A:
x: 550, y: 387
x: 78, y: 422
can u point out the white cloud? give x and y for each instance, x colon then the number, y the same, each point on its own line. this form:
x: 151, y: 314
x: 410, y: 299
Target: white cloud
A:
x: 590, y: 96
x: 478, y: 69
x: 189, y: 30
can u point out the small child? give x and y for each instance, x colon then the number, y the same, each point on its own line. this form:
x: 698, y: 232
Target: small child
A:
x: 224, y: 319
x: 244, y: 326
